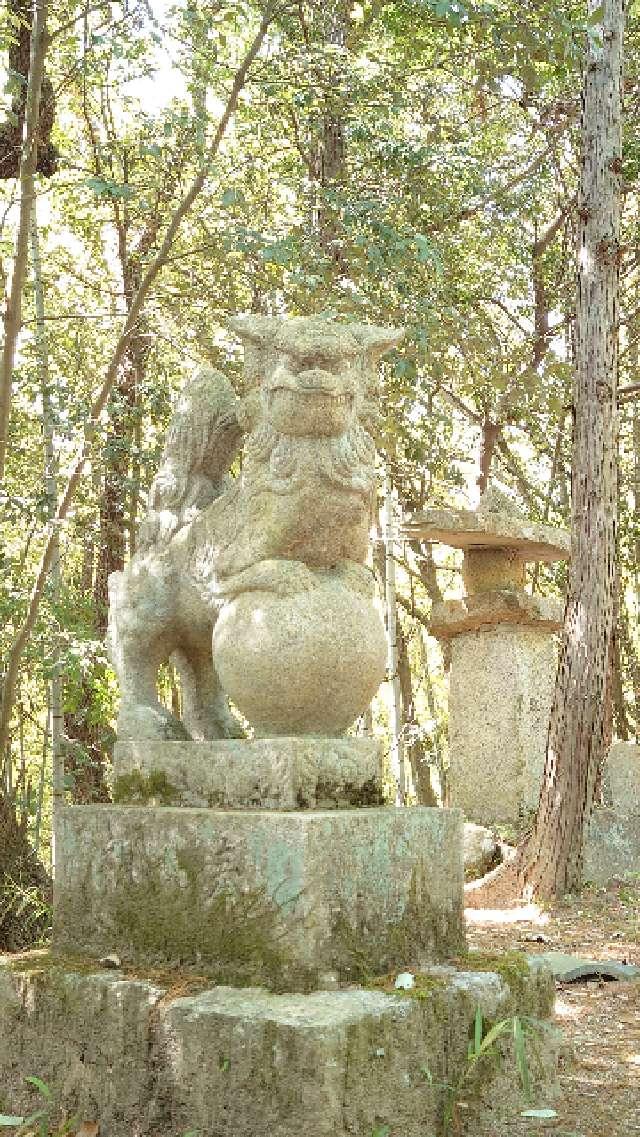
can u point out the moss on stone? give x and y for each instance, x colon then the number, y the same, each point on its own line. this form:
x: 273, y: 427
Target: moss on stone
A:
x: 425, y: 986
x: 45, y: 960
x: 137, y: 788
x: 512, y: 967
x: 234, y: 938
x: 422, y: 932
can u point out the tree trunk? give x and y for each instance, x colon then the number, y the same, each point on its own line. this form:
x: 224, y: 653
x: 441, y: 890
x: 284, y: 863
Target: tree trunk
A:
x: 115, y: 520
x: 55, y: 692
x: 549, y: 862
x: 491, y: 432
x: 414, y: 746
x: 328, y: 156
x: 28, y: 161
x: 396, y: 740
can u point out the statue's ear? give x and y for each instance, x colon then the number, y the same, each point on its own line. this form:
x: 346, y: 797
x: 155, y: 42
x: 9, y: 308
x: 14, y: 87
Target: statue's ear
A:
x: 257, y: 330
x: 376, y: 341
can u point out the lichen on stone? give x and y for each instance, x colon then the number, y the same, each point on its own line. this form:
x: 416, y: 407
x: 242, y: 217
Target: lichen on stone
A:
x: 137, y: 788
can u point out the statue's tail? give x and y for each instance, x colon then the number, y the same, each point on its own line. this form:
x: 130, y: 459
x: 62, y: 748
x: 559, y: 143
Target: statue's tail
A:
x: 204, y: 437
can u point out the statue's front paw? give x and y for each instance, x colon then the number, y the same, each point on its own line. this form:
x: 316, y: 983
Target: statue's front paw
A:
x: 282, y: 577
x: 359, y: 578
x: 290, y: 577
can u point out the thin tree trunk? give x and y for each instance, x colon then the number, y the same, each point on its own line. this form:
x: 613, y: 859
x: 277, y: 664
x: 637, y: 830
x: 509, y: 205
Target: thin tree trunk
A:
x: 440, y: 733
x: 629, y: 653
x: 115, y: 498
x: 414, y: 746
x: 396, y: 741
x: 491, y: 432
x: 41, y: 784
x: 55, y: 707
x: 21, y: 638
x: 28, y: 161
x: 549, y: 862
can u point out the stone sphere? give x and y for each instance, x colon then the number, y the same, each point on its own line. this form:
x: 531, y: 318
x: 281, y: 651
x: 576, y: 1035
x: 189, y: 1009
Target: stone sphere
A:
x: 306, y: 664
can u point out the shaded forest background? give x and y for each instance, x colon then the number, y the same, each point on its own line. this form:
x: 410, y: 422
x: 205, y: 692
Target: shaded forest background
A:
x: 412, y: 163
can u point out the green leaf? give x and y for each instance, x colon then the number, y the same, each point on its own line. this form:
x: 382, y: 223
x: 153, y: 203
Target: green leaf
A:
x: 44, y: 1089
x: 231, y: 197
x: 7, y: 1120
x: 381, y: 1131
x: 104, y: 187
x: 493, y: 1035
x: 477, y: 1030
x: 597, y: 16
x: 521, y: 1057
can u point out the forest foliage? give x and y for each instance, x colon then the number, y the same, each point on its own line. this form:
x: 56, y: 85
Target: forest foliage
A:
x: 410, y: 162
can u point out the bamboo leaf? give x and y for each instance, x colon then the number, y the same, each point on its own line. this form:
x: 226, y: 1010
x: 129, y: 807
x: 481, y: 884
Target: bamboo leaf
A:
x: 521, y: 1057
x: 477, y: 1031
x: 41, y: 1086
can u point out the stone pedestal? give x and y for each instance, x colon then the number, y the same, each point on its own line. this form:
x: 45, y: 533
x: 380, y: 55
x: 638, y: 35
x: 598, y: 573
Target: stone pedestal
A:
x: 280, y: 898
x: 500, y: 690
x: 268, y: 773
x: 159, y: 1056
x: 503, y: 655
x: 612, y: 845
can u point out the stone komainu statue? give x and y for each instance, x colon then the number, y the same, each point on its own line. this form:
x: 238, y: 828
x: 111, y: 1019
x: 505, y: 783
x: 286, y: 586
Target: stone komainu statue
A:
x: 273, y: 559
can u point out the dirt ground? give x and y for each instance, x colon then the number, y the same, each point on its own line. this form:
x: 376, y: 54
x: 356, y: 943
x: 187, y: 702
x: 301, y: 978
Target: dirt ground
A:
x: 600, y: 1074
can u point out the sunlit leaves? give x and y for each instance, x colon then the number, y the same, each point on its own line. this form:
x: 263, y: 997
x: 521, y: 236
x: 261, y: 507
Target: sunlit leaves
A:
x: 104, y: 187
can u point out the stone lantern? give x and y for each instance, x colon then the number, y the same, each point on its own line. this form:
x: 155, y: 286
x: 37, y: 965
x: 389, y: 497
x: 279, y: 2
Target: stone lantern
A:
x: 503, y: 650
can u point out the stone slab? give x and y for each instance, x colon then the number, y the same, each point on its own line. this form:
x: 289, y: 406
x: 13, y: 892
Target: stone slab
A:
x: 467, y: 529
x: 481, y: 850
x: 485, y: 610
x: 571, y: 968
x: 145, y: 1059
x: 501, y: 687
x: 275, y: 897
x: 612, y: 847
x: 622, y: 774
x: 270, y: 773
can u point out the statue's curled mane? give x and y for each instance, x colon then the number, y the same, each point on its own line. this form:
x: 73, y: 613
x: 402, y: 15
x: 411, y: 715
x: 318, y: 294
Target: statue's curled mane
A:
x: 279, y: 462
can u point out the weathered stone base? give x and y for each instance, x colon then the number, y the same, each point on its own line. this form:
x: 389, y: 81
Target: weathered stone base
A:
x: 612, y: 847
x: 143, y: 1062
x: 261, y: 896
x: 269, y: 773
x: 500, y: 691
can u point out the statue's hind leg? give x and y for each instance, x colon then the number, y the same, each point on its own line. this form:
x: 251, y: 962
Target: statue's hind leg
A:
x: 205, y: 708
x: 137, y: 648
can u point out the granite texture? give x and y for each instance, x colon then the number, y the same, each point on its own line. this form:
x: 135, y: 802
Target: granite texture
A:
x: 277, y: 553
x: 282, y: 773
x: 150, y: 1058
x: 612, y: 847
x: 495, y: 524
x: 487, y: 609
x: 622, y: 777
x: 500, y: 691
x: 274, y: 897
x: 307, y: 664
